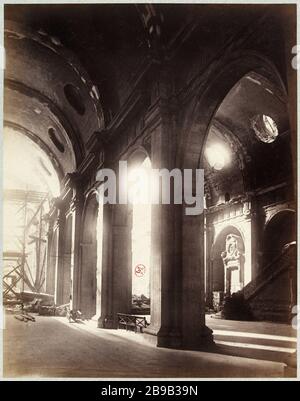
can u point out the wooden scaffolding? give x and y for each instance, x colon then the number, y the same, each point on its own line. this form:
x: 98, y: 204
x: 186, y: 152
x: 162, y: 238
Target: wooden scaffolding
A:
x: 20, y: 273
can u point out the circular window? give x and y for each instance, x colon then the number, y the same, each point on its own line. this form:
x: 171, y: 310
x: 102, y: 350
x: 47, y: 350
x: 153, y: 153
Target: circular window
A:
x: 73, y: 96
x: 265, y: 128
x: 58, y: 144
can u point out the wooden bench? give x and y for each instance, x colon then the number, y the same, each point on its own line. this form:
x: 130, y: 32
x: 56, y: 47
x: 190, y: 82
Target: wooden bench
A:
x: 132, y: 322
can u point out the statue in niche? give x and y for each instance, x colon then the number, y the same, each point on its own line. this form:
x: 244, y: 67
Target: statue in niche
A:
x: 233, y: 263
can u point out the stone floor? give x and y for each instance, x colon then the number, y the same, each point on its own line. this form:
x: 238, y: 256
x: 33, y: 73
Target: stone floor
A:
x: 52, y: 347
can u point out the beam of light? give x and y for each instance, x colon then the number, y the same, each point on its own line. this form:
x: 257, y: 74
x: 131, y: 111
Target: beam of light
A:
x: 139, y: 184
x: 141, y: 227
x: 26, y: 166
x: 218, y: 156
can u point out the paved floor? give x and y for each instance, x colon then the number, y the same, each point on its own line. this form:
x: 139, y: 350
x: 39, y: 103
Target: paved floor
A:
x: 52, y: 347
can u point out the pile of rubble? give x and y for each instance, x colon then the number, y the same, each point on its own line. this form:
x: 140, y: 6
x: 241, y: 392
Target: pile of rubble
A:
x: 24, y: 303
x: 25, y: 317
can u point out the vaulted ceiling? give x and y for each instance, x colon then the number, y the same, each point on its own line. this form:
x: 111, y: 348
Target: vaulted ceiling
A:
x: 70, y: 68
x: 252, y: 164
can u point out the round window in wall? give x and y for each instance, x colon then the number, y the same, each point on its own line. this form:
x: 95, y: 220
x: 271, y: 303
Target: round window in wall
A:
x: 265, y: 128
x: 74, y: 97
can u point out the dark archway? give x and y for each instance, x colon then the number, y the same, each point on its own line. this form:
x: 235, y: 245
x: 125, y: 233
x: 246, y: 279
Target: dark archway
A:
x: 217, y: 276
x: 280, y: 231
x: 219, y: 84
x: 198, y: 121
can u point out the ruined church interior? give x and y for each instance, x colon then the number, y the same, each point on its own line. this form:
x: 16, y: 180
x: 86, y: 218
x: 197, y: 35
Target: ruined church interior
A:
x: 139, y: 290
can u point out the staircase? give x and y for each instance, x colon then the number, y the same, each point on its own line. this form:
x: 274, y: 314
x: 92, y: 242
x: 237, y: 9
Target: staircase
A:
x: 272, y: 293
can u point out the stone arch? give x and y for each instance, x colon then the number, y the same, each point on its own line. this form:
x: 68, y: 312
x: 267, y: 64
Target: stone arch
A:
x: 137, y: 155
x: 217, y: 86
x: 45, y: 148
x: 217, y: 266
x: 279, y: 231
x: 221, y: 79
x: 235, y: 227
x: 71, y: 134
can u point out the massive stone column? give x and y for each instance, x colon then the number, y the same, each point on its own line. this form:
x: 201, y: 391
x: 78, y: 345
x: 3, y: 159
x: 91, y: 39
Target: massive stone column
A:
x: 257, y: 222
x: 249, y: 247
x: 69, y: 204
x: 67, y: 231
x: 76, y: 212
x: 89, y: 258
x: 177, y: 250
x: 165, y: 274
x: 116, y: 265
x: 51, y: 259
x: 99, y: 268
x: 121, y: 260
x: 195, y: 334
x: 59, y: 273
x: 67, y: 254
x: 106, y: 316
x: 209, y: 233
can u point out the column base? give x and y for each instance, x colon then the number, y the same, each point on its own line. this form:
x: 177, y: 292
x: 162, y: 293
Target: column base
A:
x: 93, y: 322
x: 163, y: 337
x: 106, y: 322
x: 166, y: 338
x: 199, y: 340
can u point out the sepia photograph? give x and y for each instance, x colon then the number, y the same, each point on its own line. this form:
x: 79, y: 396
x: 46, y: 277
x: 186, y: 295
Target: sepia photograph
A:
x: 149, y: 192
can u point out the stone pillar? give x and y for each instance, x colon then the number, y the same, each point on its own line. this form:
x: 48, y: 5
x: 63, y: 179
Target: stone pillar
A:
x: 91, y: 244
x: 76, y: 212
x: 247, y: 230
x: 121, y: 261
x: 258, y: 218
x: 165, y: 274
x: 195, y: 334
x: 106, y: 317
x: 66, y: 265
x: 69, y: 209
x: 88, y: 257
x: 51, y: 259
x: 99, y: 269
x: 177, y: 251
x: 209, y: 232
x: 116, y: 265
x: 59, y: 274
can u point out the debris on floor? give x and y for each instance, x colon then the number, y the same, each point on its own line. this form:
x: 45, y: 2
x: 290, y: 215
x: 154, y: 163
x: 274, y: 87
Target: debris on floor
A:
x: 74, y: 315
x: 46, y: 310
x: 25, y: 317
x: 43, y: 304
x: 27, y: 302
x: 62, y: 310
